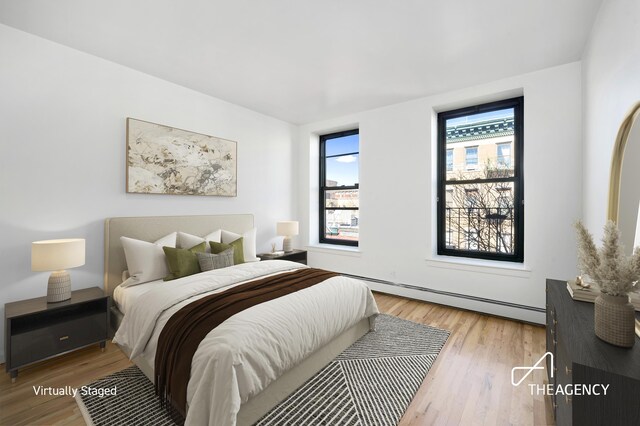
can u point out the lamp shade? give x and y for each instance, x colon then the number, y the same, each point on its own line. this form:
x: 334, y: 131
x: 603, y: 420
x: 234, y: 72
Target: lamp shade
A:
x: 56, y: 255
x: 287, y: 228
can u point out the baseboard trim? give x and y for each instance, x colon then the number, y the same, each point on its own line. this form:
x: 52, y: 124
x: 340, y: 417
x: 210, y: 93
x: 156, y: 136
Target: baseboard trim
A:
x: 450, y: 294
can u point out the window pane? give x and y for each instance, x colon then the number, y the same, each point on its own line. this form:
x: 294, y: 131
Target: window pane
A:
x: 481, y: 144
x: 342, y: 145
x: 450, y: 160
x: 342, y: 224
x: 471, y: 158
x: 342, y: 171
x: 479, y: 217
x: 342, y: 198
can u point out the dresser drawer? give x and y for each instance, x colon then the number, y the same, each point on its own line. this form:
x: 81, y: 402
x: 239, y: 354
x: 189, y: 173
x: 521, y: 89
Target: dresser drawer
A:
x: 40, y: 343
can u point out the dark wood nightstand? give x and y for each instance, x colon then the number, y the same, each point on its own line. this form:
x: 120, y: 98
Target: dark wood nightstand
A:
x: 299, y: 256
x: 36, y: 330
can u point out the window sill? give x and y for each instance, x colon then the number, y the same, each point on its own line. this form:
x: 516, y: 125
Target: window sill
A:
x: 334, y: 249
x: 492, y: 267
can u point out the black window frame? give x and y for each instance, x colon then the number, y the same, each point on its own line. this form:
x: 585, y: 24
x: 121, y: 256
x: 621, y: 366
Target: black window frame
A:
x: 324, y: 188
x: 518, y: 180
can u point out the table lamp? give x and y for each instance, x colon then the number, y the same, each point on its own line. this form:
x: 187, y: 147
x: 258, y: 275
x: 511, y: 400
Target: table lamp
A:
x: 287, y: 229
x: 56, y: 256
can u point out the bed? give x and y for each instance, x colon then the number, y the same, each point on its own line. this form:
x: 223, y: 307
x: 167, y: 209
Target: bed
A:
x: 344, y: 311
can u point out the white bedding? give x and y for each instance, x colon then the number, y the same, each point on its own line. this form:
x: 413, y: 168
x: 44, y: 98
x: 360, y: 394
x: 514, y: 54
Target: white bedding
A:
x: 127, y: 296
x: 250, y: 350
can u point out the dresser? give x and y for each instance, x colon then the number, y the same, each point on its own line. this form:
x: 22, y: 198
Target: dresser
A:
x: 582, y: 358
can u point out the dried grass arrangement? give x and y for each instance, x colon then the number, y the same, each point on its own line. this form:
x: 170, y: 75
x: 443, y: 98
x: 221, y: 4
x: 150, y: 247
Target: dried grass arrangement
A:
x: 612, y: 271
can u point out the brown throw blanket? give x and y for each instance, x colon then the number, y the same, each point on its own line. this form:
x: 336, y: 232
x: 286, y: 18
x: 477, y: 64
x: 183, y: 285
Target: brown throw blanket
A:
x: 184, y: 331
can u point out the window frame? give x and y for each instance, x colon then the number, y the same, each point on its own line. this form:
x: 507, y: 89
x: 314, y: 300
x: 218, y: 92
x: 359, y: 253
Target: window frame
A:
x: 517, y: 162
x: 324, y: 188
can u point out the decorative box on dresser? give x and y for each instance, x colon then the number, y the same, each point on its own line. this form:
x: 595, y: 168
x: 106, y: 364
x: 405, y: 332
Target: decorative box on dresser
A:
x: 36, y: 330
x: 582, y: 358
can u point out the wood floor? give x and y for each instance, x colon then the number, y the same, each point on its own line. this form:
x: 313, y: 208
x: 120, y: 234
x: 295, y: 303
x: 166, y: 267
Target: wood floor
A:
x: 469, y: 384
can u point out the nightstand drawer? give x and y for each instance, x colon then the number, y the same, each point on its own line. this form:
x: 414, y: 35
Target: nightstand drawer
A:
x: 48, y: 340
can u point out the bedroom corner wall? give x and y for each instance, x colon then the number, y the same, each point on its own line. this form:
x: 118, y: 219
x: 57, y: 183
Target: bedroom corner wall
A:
x: 611, y: 85
x: 397, y: 197
x: 62, y: 168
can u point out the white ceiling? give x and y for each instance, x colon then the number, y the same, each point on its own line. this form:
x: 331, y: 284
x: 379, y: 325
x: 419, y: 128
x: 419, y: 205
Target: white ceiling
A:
x: 304, y: 60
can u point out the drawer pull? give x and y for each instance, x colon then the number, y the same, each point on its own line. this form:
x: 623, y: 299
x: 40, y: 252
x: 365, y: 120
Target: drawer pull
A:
x: 64, y: 338
x: 552, y: 331
x: 567, y: 399
x: 555, y: 342
x: 567, y: 370
x: 555, y: 321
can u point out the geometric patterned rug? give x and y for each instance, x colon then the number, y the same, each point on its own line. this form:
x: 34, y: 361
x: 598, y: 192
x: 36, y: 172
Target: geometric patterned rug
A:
x: 371, y: 383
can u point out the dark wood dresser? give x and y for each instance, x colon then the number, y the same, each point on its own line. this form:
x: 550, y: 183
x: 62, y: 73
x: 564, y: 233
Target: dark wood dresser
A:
x: 582, y: 358
x: 36, y: 330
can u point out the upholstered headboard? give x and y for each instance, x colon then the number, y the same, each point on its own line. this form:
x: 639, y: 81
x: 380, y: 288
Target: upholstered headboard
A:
x: 151, y: 228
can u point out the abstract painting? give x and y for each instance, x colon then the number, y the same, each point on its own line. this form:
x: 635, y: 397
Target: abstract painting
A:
x: 165, y: 160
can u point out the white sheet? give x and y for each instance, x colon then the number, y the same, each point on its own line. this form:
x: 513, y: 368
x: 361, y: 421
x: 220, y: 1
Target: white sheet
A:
x: 124, y: 297
x: 250, y: 350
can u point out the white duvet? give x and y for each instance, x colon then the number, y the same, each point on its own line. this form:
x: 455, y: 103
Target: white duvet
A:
x: 250, y: 350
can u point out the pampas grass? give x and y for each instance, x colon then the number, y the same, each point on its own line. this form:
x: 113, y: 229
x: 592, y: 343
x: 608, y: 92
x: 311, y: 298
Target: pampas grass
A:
x: 611, y: 270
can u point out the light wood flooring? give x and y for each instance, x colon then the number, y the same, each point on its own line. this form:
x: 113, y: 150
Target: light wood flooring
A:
x: 469, y: 384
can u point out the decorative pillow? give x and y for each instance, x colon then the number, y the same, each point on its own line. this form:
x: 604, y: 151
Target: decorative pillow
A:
x: 188, y: 240
x: 146, y: 261
x: 249, y: 245
x: 238, y: 254
x: 209, y: 261
x: 183, y: 262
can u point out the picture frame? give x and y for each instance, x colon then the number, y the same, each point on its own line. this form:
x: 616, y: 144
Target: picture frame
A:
x: 166, y: 160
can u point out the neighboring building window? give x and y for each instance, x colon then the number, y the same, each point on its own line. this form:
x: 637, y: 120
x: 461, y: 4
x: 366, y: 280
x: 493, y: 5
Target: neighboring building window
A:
x: 339, y: 186
x: 471, y: 157
x: 481, y: 207
x: 450, y: 160
x: 503, y: 154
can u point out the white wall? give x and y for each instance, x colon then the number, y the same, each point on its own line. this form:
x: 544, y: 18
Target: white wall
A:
x: 397, y: 192
x: 62, y: 168
x: 611, y: 85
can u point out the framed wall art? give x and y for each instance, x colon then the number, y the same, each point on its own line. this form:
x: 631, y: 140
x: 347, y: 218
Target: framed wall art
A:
x: 166, y: 160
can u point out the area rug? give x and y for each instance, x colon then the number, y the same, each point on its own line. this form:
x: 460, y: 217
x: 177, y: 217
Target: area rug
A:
x: 371, y: 383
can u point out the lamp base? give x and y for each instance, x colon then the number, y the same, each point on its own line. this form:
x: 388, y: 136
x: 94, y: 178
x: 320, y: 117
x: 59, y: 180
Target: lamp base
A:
x: 59, y: 288
x: 286, y: 245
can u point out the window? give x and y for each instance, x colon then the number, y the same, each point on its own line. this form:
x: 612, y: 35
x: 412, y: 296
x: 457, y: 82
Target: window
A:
x: 504, y: 154
x: 471, y: 157
x: 481, y: 206
x: 450, y: 160
x: 339, y: 186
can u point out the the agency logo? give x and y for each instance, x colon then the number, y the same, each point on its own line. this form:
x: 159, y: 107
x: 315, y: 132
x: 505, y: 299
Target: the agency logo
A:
x: 530, y: 370
x: 555, y: 389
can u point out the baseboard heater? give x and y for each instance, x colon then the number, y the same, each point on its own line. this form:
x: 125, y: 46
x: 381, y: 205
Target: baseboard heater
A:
x: 448, y: 293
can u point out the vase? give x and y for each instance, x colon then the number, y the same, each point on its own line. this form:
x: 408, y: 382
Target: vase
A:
x: 615, y: 320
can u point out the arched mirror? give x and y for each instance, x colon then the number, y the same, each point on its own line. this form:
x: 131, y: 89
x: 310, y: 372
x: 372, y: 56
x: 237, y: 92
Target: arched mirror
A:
x: 624, y: 187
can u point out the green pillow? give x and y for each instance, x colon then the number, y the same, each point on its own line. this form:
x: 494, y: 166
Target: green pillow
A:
x: 183, y: 262
x: 238, y: 252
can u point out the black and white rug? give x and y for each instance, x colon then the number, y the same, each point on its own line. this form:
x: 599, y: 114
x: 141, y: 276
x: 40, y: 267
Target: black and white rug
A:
x: 371, y: 383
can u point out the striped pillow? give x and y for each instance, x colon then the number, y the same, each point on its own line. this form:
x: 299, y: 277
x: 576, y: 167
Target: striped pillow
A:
x: 209, y: 261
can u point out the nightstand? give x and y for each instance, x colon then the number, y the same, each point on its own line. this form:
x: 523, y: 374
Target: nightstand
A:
x: 36, y: 330
x: 299, y: 256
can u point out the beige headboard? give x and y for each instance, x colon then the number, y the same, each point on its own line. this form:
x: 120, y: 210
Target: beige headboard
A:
x: 151, y: 228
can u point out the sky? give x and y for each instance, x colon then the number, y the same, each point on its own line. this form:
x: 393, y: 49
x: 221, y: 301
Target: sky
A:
x: 503, y: 113
x: 343, y: 169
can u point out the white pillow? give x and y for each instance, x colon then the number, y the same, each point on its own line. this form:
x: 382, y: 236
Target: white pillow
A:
x: 146, y: 261
x: 186, y: 241
x: 248, y: 243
